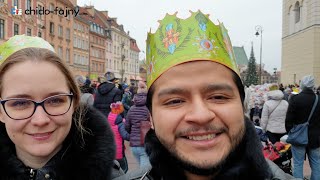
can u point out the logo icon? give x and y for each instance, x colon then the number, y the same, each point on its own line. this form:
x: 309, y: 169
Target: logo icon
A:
x: 16, y: 11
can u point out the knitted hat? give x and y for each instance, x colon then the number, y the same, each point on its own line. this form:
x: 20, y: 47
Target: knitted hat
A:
x: 109, y: 76
x: 116, y: 108
x: 80, y: 80
x: 142, y: 87
x: 307, y: 82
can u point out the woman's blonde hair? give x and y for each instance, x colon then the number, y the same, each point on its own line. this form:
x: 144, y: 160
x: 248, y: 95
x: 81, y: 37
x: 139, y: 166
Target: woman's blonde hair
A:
x: 45, y: 55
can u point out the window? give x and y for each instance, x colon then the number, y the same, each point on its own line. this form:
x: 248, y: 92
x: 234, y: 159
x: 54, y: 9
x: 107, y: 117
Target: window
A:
x: 51, y: 28
x: 68, y: 34
x: 28, y: 32
x: 60, y: 31
x: 28, y: 4
x: 1, y: 29
x: 39, y: 14
x: 75, y: 41
x: 68, y: 55
x: 51, y: 7
x: 60, y: 52
x: 39, y: 34
x: 16, y: 3
x: 297, y: 12
x: 15, y: 29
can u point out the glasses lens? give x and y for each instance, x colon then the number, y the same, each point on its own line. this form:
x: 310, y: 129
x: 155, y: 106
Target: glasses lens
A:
x: 57, y: 105
x: 19, y: 108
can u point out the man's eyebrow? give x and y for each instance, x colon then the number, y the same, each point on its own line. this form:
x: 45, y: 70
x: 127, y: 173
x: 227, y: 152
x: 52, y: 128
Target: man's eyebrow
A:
x: 170, y: 91
x: 217, y: 87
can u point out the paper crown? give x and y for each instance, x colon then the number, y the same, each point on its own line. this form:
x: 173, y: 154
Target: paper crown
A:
x: 19, y: 42
x: 182, y: 40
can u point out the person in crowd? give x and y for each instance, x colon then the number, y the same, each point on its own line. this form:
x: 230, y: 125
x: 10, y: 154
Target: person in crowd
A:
x: 137, y: 113
x: 300, y: 106
x: 126, y: 100
x: 106, y: 94
x: 45, y: 133
x: 195, y: 98
x: 120, y: 134
x: 274, y: 115
x: 132, y: 89
x: 86, y: 97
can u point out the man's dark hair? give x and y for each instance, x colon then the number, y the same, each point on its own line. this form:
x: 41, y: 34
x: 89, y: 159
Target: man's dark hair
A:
x: 235, y: 77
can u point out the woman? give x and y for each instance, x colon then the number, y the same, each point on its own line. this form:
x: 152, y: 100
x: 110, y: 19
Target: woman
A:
x: 274, y: 115
x: 299, y: 109
x: 137, y: 113
x: 86, y: 95
x: 45, y: 133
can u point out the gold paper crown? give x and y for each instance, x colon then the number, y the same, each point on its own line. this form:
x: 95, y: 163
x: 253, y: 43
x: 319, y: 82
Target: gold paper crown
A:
x: 181, y: 40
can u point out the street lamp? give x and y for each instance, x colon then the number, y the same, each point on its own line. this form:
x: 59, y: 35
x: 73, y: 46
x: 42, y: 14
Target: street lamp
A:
x: 275, y: 75
x: 122, y: 62
x: 259, y: 31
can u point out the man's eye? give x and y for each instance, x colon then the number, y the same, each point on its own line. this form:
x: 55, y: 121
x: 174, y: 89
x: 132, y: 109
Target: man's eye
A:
x: 174, y: 102
x: 218, y: 97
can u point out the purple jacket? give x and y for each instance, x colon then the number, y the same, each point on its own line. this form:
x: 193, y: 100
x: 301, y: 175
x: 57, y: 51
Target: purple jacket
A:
x: 138, y: 112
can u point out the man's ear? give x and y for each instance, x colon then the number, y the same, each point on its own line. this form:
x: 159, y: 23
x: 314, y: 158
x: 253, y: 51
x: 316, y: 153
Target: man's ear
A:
x: 151, y: 121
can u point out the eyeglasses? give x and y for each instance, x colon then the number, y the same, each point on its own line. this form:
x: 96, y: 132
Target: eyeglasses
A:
x: 21, y: 108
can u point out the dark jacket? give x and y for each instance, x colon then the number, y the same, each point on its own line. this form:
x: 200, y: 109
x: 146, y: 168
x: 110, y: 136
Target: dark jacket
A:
x: 300, y: 106
x: 137, y: 113
x: 245, y: 162
x: 106, y: 94
x: 91, y: 160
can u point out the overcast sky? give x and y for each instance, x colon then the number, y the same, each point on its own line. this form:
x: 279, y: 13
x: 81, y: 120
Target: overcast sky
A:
x: 239, y: 17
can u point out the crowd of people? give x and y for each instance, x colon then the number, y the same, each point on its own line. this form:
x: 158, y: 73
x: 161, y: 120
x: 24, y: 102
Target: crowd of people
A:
x: 192, y: 118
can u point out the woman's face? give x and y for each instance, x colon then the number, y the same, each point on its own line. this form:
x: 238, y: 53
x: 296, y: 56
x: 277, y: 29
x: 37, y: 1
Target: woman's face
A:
x: 41, y: 135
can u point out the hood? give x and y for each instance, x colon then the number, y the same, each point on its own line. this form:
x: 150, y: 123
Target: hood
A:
x: 275, y: 95
x: 140, y: 99
x: 105, y: 88
x: 88, y: 159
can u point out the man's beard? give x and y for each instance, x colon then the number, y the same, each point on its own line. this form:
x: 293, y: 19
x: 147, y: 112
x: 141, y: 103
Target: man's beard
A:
x: 192, y: 167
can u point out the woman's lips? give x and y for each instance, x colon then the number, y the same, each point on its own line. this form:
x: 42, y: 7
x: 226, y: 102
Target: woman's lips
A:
x: 41, y: 136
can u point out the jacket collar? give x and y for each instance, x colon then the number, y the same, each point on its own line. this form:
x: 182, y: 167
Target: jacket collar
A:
x: 78, y: 159
x: 246, y: 162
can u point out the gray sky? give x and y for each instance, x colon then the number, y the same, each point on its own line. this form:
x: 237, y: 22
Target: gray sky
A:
x: 239, y: 17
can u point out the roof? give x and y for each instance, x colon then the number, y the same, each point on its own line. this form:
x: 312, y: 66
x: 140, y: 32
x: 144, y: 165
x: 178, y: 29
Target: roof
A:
x: 95, y: 18
x: 241, y: 56
x: 134, y: 45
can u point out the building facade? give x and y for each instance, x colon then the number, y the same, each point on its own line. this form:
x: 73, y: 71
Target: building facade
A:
x: 300, y: 40
x: 13, y: 24
x: 81, y: 45
x: 57, y: 28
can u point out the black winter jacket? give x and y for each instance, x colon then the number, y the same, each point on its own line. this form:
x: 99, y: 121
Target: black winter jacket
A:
x: 245, y: 162
x: 92, y: 160
x: 106, y: 94
x: 300, y: 106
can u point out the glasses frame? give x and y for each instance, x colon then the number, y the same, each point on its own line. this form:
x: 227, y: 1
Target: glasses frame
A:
x: 36, y: 104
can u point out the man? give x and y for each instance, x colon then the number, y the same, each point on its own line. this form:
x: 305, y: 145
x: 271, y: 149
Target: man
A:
x: 106, y: 94
x: 196, y: 99
x: 300, y: 106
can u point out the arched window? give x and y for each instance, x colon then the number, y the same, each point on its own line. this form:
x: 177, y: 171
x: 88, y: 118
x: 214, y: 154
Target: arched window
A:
x: 297, y: 12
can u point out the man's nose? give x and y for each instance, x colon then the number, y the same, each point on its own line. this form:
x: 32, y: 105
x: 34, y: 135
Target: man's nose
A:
x: 200, y: 112
x: 40, y: 117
